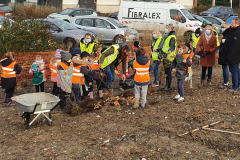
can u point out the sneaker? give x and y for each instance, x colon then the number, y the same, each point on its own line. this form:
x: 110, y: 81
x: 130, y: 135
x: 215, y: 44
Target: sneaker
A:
x: 135, y: 105
x: 180, y: 99
x: 155, y: 84
x: 142, y: 105
x: 224, y: 85
x: 232, y: 91
x: 177, y: 97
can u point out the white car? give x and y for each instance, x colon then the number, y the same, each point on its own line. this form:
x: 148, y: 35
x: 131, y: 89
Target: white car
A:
x: 71, y: 13
x: 108, y: 30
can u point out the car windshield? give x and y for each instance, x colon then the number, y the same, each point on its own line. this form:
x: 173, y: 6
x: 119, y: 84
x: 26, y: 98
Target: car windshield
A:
x: 65, y: 25
x: 66, y: 11
x: 5, y: 8
x: 202, y: 19
x: 187, y: 14
x: 213, y: 9
x: 116, y: 23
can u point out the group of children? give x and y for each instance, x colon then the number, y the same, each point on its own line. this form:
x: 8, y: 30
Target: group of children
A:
x: 84, y: 69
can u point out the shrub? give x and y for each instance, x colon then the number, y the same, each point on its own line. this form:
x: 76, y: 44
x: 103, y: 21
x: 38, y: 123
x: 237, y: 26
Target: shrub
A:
x: 25, y: 37
x: 33, y: 11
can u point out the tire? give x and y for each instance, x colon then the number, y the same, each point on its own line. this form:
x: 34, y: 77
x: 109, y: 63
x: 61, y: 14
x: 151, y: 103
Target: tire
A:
x: 119, y: 39
x: 69, y: 43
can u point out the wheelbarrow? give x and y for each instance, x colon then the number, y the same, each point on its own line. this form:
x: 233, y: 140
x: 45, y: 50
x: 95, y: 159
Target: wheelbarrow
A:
x: 36, y: 104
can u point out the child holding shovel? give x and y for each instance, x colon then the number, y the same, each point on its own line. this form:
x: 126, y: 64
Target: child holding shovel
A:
x: 180, y: 65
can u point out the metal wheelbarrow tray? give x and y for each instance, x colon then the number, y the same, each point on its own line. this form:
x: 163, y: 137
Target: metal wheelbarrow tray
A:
x: 36, y: 103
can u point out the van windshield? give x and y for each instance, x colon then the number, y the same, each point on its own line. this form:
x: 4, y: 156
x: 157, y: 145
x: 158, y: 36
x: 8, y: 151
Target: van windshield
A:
x: 188, y: 14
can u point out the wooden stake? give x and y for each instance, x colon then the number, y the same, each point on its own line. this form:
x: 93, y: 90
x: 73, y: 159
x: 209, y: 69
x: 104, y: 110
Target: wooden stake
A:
x: 197, y: 129
x: 217, y: 130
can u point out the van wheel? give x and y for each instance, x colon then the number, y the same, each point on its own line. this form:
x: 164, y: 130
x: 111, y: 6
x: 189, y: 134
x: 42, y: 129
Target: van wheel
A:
x: 119, y: 39
x: 187, y: 35
x: 69, y: 43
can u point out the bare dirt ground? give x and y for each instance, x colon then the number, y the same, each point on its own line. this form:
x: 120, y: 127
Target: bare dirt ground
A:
x: 142, y: 133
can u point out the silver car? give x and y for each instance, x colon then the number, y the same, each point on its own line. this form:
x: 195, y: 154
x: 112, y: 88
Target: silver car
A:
x: 107, y: 29
x: 64, y: 32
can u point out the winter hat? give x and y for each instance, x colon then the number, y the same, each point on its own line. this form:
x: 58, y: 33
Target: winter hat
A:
x: 136, y: 44
x: 65, y: 56
x: 58, y: 55
x: 197, y: 31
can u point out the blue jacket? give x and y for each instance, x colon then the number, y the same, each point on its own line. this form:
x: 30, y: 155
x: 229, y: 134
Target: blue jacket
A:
x: 143, y: 60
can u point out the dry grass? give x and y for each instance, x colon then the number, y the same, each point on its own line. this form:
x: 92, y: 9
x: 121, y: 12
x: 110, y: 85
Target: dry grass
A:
x: 32, y: 10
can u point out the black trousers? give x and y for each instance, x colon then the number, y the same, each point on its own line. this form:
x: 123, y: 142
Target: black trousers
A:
x: 41, y: 87
x: 9, y: 92
x: 62, y: 95
x: 204, y: 69
x: 99, y: 85
x: 55, y: 90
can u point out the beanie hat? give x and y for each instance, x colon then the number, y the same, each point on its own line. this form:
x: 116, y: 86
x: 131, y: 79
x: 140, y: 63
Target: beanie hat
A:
x: 197, y: 31
x: 136, y: 44
x: 58, y: 55
x: 65, y: 56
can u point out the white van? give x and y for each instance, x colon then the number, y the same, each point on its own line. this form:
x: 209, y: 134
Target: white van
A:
x: 156, y: 15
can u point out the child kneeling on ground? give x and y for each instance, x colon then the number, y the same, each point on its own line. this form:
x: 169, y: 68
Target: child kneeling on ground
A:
x: 142, y: 67
x: 181, y: 65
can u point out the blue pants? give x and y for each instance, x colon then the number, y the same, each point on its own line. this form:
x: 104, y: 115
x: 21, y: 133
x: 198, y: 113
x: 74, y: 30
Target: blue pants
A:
x: 110, y: 72
x: 234, y: 69
x: 155, y: 70
x: 168, y: 72
x: 225, y: 74
x: 180, y: 87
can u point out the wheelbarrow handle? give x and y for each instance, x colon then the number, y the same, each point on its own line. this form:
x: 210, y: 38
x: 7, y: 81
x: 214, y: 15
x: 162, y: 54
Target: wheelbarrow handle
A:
x: 59, y: 102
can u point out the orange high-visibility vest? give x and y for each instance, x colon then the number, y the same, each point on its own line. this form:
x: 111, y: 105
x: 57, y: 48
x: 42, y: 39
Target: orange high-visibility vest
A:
x: 64, y: 66
x: 191, y: 57
x: 43, y: 71
x: 142, y: 72
x: 95, y: 64
x: 7, y: 71
x: 185, y: 56
x: 76, y: 76
x: 53, y: 69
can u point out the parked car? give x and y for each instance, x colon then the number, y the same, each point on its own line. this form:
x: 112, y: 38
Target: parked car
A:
x: 219, y: 11
x: 107, y: 29
x: 2, y: 19
x: 71, y: 13
x: 214, y: 20
x: 229, y: 20
x: 203, y: 20
x: 113, y: 15
x: 64, y: 32
x: 6, y: 11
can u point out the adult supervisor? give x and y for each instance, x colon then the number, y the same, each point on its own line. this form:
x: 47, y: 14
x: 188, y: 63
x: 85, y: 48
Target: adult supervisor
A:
x: 111, y: 58
x: 169, y: 49
x: 87, y: 43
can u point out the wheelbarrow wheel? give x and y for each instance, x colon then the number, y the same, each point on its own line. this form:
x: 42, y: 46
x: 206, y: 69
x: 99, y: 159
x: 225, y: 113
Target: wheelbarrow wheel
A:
x: 27, y: 118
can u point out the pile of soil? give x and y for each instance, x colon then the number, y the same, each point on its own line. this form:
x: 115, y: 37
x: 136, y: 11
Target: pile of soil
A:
x: 114, y: 132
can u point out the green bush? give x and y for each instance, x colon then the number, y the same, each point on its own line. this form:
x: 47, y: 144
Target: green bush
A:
x: 25, y: 37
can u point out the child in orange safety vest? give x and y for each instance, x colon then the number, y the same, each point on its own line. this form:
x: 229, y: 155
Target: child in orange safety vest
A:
x: 76, y: 79
x: 62, y: 84
x: 8, y: 76
x: 142, y: 67
x: 181, y: 66
x: 95, y: 68
x: 38, y: 71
